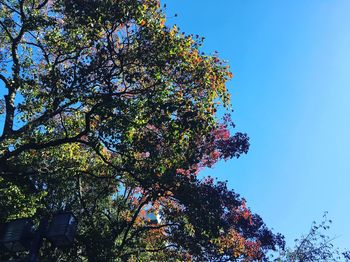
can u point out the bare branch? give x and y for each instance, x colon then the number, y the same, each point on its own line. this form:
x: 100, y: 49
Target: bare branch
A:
x: 4, y: 79
x: 41, y: 5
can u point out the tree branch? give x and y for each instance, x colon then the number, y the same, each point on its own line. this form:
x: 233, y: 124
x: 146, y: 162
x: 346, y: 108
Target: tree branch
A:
x: 42, y: 4
x: 58, y: 142
x: 16, y: 67
x: 4, y: 79
x: 132, y: 223
x: 6, y: 30
x: 36, y: 122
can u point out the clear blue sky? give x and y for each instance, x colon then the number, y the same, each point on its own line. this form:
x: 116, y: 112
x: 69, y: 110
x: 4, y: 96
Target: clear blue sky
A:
x: 291, y: 94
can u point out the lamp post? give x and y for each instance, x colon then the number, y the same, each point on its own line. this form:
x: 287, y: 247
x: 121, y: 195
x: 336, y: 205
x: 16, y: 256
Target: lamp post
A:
x: 19, y: 235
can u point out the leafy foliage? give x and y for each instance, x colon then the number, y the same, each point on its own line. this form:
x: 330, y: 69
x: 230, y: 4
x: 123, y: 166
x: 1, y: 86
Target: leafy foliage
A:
x: 111, y: 114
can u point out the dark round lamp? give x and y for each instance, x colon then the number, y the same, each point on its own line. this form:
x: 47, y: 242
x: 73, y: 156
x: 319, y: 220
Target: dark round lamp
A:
x: 62, y: 229
x: 17, y: 235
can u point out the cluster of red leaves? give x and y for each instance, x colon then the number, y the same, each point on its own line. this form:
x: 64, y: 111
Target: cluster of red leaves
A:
x: 209, y: 221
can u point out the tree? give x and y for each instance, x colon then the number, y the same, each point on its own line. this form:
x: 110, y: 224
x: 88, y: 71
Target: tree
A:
x: 315, y: 246
x: 111, y: 114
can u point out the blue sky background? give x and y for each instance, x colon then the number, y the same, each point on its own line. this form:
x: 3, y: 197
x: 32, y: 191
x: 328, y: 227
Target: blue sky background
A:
x: 291, y: 93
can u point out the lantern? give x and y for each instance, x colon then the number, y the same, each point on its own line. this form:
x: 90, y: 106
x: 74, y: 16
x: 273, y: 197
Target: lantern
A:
x: 17, y: 235
x: 62, y: 229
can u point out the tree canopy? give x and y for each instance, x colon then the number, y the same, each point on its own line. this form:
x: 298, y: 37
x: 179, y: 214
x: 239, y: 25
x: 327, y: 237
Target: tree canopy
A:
x: 109, y: 113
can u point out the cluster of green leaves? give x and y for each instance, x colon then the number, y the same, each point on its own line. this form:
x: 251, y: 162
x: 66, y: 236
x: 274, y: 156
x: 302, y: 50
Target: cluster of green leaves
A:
x: 111, y: 114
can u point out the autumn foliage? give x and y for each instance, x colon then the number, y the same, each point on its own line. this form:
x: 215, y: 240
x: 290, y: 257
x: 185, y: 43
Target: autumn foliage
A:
x: 111, y: 114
